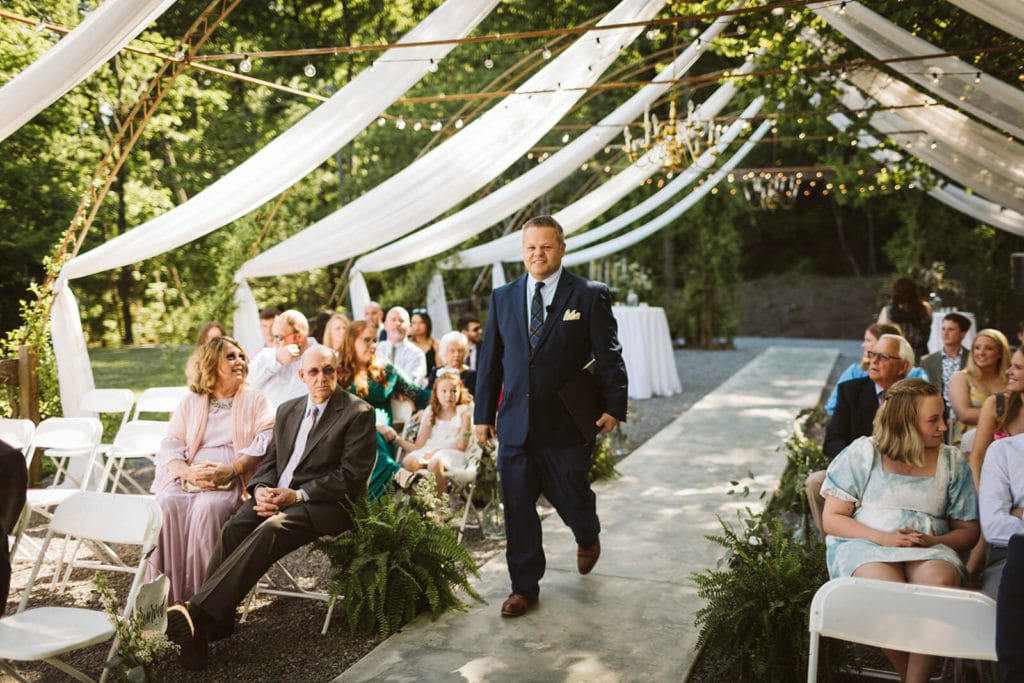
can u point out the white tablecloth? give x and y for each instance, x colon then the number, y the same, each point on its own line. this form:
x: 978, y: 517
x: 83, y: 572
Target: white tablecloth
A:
x: 647, y: 351
x: 935, y: 338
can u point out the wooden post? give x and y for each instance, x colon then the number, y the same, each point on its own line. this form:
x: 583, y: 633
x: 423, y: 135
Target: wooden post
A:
x: 28, y: 397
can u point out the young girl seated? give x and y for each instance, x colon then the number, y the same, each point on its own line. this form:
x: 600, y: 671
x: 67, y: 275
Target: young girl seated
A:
x: 445, y: 433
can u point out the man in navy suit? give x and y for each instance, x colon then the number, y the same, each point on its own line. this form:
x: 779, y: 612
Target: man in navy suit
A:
x: 542, y: 330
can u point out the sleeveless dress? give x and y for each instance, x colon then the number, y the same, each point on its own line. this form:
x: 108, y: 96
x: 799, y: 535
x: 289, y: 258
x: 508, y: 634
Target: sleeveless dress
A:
x: 443, y: 437
x: 889, y: 502
x: 977, y: 396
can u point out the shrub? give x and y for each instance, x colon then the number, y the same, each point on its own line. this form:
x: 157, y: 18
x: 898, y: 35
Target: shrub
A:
x: 398, y: 561
x: 754, y: 623
x: 603, y: 466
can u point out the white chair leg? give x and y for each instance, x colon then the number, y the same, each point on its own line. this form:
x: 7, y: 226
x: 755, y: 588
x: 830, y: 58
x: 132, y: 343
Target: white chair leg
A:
x: 330, y: 612
x: 812, y: 659
x: 465, y: 511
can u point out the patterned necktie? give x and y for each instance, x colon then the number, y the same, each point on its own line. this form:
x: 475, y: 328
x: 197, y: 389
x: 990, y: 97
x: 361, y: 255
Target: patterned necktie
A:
x: 536, y: 316
x: 300, y: 446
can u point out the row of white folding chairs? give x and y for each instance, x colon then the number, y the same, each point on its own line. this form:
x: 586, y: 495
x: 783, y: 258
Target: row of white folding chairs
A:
x: 46, y: 633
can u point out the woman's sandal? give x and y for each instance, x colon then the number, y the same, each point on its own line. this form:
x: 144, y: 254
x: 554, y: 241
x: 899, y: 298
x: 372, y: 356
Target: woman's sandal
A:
x: 406, y: 480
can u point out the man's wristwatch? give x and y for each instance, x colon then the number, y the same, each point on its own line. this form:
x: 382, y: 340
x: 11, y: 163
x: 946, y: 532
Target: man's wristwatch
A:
x: 298, y: 497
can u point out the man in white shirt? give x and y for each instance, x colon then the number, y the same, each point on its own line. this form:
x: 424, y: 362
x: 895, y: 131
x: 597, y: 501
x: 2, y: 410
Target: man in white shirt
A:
x: 402, y: 353
x: 469, y: 325
x: 275, y: 370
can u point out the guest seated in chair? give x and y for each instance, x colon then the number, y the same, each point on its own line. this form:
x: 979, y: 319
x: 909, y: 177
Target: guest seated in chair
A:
x: 362, y: 372
x: 860, y: 369
x: 984, y: 375
x: 319, y: 460
x: 900, y: 504
x: 446, y: 432
x: 454, y: 348
x: 214, y: 442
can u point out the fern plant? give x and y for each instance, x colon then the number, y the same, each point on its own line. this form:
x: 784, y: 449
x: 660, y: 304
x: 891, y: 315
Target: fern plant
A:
x: 753, y: 626
x: 397, y: 562
x: 603, y: 466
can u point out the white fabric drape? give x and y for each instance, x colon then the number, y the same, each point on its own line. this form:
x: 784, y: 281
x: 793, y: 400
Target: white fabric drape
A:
x: 580, y: 213
x: 951, y: 195
x: 98, y: 38
x: 990, y: 99
x: 1007, y: 15
x: 437, y: 307
x: 74, y: 373
x: 511, y: 197
x: 282, y: 162
x: 464, y: 163
x: 636, y: 235
x: 946, y: 159
x: 497, y: 275
x: 962, y: 135
x: 359, y: 295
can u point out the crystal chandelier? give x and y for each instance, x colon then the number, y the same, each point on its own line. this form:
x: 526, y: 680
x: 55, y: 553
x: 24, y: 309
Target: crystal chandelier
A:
x: 674, y: 143
x: 772, y: 191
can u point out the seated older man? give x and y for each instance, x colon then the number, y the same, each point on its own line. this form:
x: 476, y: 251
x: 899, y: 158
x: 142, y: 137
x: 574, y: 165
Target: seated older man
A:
x: 399, y: 351
x: 275, y: 370
x: 323, y: 449
x: 889, y: 361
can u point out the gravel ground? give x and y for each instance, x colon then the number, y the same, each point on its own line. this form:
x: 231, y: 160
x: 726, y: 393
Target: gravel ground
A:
x: 281, y: 638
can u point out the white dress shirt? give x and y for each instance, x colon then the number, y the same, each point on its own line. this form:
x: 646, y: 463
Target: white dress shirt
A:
x: 547, y: 293
x: 1001, y: 489
x: 408, y: 358
x: 278, y: 382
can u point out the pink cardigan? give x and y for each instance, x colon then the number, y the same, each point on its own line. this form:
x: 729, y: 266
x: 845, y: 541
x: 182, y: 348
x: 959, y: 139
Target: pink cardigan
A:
x: 251, y: 414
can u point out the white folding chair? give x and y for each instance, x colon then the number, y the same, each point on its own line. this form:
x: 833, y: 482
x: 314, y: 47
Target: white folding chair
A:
x: 929, y: 620
x: 45, y: 633
x: 159, y: 400
x: 19, y: 434
x: 99, y: 402
x: 64, y: 439
x: 290, y: 588
x: 137, y: 439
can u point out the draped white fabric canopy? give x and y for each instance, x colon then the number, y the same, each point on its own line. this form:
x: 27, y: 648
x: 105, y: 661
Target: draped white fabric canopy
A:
x: 641, y: 233
x: 580, y: 213
x: 271, y: 170
x: 951, y: 195
x: 940, y: 155
x: 513, y: 196
x: 1007, y: 15
x: 463, y: 164
x: 101, y: 34
x: 989, y: 99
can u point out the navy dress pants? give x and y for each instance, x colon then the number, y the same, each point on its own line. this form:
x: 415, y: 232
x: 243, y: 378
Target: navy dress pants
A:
x: 561, y: 475
x: 1009, y: 611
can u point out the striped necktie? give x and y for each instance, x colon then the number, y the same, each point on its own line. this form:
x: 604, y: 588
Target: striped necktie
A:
x: 536, y: 316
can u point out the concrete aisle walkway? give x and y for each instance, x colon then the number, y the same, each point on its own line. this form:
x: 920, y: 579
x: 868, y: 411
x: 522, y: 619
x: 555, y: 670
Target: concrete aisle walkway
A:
x: 632, y: 619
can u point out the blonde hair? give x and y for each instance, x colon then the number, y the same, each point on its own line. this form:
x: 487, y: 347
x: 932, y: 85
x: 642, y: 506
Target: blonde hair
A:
x: 329, y: 339
x: 296, y: 321
x: 435, y: 401
x: 895, y: 426
x: 201, y: 371
x: 1004, y: 353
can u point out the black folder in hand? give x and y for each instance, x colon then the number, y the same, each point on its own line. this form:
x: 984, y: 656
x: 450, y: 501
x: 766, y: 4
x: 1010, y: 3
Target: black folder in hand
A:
x: 583, y: 398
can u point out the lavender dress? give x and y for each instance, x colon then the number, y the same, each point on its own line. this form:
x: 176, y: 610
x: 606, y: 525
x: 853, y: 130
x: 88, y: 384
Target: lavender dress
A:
x: 192, y: 521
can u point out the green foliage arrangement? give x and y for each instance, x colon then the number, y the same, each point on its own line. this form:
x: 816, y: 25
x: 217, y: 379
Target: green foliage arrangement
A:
x: 137, y: 650
x: 805, y: 456
x: 754, y: 623
x: 603, y: 466
x: 397, y: 562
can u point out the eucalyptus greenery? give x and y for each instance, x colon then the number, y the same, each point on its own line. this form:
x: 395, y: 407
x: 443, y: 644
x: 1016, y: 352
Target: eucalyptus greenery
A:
x: 399, y: 560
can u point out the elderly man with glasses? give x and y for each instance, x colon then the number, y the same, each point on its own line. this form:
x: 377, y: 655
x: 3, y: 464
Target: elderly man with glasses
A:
x: 890, y: 359
x: 275, y: 369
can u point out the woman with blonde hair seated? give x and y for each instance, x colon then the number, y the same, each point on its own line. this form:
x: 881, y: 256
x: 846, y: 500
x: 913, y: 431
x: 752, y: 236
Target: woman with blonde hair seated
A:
x: 214, y: 442
x: 334, y: 331
x: 983, y: 376
x: 900, y: 505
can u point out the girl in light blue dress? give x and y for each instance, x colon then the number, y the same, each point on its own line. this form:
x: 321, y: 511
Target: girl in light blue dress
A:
x: 900, y: 505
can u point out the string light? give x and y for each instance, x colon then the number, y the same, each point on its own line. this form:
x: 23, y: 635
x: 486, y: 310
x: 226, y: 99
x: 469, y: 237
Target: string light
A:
x: 245, y: 66
x: 459, y: 123
x: 977, y: 77
x: 40, y: 25
x: 545, y: 53
x: 309, y: 70
x: 842, y: 7
x: 435, y: 126
x: 418, y: 126
x: 488, y: 62
x: 381, y: 121
x: 433, y: 66
x: 179, y: 54
x: 400, y: 123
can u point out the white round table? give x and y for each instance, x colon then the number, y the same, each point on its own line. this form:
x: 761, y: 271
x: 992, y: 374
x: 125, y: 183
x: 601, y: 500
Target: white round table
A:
x: 647, y: 351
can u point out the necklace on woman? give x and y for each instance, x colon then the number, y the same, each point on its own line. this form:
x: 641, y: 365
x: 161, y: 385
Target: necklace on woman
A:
x: 222, y: 403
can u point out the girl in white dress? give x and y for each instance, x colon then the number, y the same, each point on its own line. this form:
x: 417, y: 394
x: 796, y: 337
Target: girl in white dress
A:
x: 445, y: 435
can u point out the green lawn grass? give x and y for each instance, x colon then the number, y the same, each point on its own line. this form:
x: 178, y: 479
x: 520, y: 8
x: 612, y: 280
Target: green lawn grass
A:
x: 139, y: 367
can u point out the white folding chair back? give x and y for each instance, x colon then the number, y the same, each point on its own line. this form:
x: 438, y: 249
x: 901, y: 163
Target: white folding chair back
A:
x: 159, y: 400
x: 45, y: 633
x: 930, y: 620
x: 66, y: 439
x: 101, y: 401
x: 17, y: 433
x: 136, y: 439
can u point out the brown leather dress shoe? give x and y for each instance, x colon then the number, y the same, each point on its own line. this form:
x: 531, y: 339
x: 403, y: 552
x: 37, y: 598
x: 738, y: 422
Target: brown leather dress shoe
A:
x: 517, y: 605
x: 187, y: 634
x: 586, y: 558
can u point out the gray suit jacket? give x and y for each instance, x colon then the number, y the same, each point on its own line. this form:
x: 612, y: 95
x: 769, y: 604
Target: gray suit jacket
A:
x: 932, y: 364
x: 339, y: 456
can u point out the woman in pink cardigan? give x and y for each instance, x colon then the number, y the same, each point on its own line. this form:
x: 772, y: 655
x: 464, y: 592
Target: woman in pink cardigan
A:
x: 214, y: 442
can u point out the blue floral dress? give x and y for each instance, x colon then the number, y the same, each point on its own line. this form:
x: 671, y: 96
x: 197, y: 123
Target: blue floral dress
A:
x: 888, y: 502
x: 379, y: 396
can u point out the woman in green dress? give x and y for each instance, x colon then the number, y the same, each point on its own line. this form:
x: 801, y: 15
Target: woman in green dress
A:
x: 375, y: 380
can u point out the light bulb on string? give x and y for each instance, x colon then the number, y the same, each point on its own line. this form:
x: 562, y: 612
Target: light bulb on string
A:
x: 842, y: 7
x: 400, y: 123
x: 309, y: 70
x: 545, y: 53
x: 418, y: 126
x: 977, y: 77
x: 178, y: 55
x: 381, y: 121
x: 459, y: 123
x: 842, y: 73
x: 488, y: 62
x: 741, y: 30
x: 435, y: 126
x: 245, y: 66
x: 565, y: 137
x: 40, y: 25
x: 433, y: 66
x: 653, y: 33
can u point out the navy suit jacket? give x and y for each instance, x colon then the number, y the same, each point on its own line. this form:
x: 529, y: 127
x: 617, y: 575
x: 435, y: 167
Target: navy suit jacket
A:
x: 854, y: 416
x: 578, y: 326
